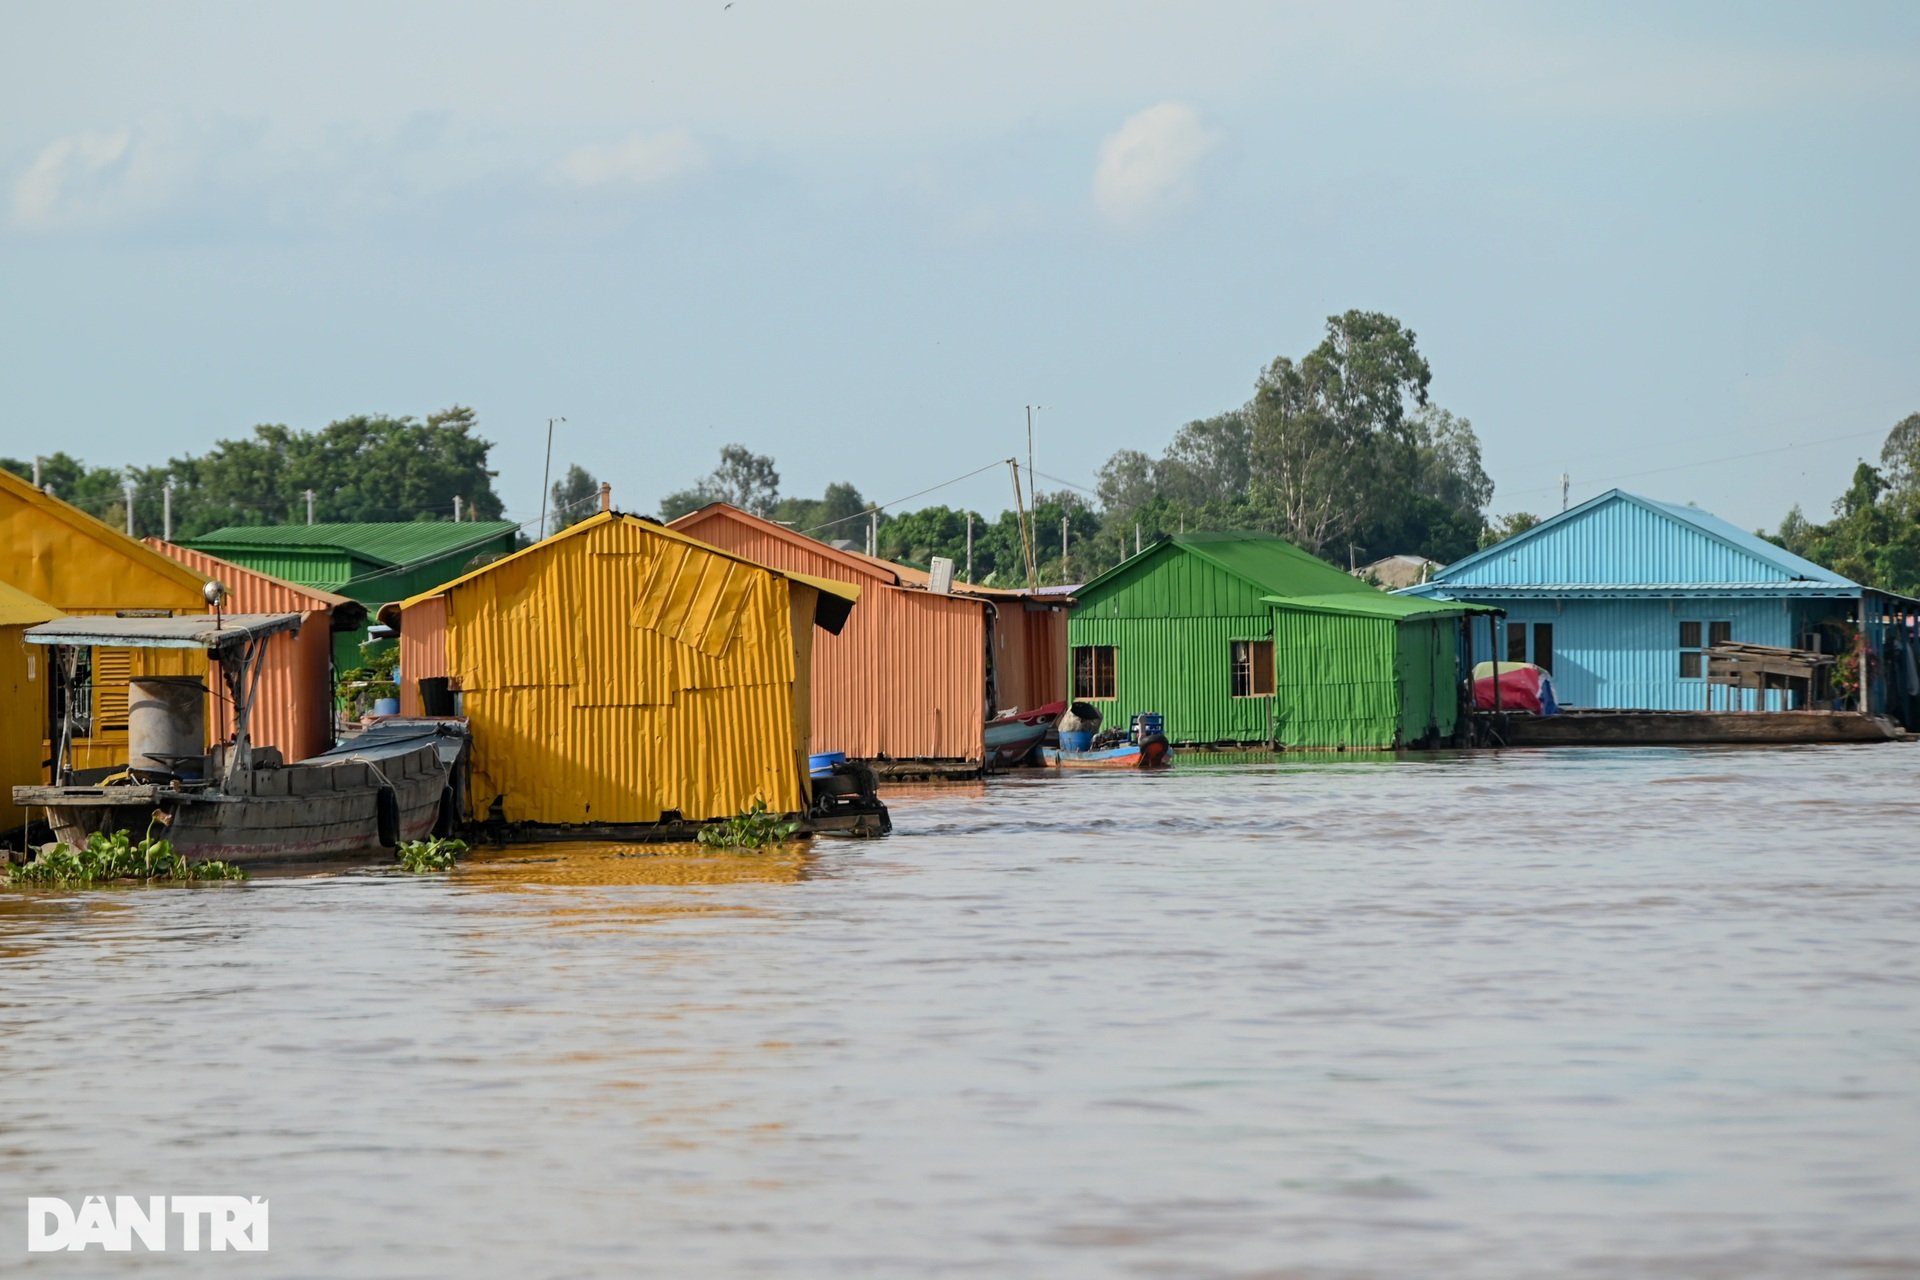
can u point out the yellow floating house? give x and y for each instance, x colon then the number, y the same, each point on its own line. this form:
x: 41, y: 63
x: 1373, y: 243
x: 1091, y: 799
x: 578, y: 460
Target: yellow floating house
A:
x: 23, y: 701
x: 62, y: 556
x: 622, y: 673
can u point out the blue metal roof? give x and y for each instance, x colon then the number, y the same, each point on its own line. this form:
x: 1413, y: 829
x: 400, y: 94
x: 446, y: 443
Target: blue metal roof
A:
x: 1623, y: 545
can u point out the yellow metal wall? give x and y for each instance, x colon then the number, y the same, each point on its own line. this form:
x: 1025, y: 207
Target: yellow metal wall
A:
x: 23, y: 719
x: 65, y: 557
x: 615, y: 674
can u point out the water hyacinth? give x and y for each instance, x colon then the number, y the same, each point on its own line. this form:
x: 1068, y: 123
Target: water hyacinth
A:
x: 116, y: 858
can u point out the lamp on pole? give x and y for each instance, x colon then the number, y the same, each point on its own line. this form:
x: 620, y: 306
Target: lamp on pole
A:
x: 546, y: 475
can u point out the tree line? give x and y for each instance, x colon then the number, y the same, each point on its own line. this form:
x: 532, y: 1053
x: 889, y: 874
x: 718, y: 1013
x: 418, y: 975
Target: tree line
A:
x: 1340, y: 451
x: 1874, y: 535
x: 364, y: 468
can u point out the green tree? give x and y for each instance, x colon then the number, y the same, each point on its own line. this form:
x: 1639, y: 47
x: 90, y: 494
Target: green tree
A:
x: 745, y: 479
x: 364, y: 468
x: 1507, y: 526
x: 574, y: 497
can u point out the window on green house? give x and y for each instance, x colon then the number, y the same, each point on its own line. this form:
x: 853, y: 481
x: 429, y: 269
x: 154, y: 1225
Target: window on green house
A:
x: 1253, y: 668
x: 1093, y: 670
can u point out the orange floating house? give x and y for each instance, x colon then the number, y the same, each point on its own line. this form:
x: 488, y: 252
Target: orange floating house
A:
x: 917, y: 673
x: 294, y: 710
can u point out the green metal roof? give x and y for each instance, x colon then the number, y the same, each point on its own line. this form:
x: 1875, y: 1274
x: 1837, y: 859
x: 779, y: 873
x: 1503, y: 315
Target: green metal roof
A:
x: 1272, y: 564
x: 1376, y: 604
x: 385, y: 544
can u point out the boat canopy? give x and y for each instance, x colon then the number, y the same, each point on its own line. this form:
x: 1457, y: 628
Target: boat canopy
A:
x: 195, y: 631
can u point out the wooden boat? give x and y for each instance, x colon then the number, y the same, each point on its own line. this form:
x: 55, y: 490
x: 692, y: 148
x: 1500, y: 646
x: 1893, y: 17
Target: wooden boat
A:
x: 1124, y: 755
x: 1012, y: 735
x: 241, y: 803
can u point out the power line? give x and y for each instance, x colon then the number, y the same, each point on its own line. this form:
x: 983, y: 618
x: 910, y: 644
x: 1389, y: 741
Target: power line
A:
x: 862, y: 515
x: 1706, y: 462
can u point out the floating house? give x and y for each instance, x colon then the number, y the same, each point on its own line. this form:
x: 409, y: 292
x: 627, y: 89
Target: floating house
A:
x: 23, y: 702
x: 294, y: 708
x: 1621, y: 598
x: 374, y: 563
x: 921, y: 666
x: 1245, y: 638
x: 64, y: 557
x: 621, y: 673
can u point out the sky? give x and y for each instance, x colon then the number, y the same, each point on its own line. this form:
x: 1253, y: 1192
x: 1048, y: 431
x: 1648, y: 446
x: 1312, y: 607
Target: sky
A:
x: 1662, y: 246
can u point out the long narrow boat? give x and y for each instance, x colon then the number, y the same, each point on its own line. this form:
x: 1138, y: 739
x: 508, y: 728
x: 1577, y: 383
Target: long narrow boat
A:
x: 1012, y: 735
x: 240, y: 803
x: 1152, y: 754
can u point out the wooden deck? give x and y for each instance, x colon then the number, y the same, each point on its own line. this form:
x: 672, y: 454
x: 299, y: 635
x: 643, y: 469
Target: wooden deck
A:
x: 1689, y: 728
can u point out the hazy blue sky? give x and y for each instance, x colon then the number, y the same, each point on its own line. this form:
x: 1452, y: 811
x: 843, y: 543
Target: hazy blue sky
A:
x: 1637, y: 241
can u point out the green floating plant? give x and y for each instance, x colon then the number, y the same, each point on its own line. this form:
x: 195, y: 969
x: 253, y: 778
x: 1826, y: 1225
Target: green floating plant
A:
x: 754, y: 829
x: 110, y: 858
x: 422, y: 857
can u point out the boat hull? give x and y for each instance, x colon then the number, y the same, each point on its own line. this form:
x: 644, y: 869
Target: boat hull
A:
x: 1126, y: 756
x: 1012, y: 738
x: 314, y: 809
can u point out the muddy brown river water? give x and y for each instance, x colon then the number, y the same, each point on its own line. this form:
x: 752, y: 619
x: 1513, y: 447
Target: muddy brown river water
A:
x: 1607, y: 1014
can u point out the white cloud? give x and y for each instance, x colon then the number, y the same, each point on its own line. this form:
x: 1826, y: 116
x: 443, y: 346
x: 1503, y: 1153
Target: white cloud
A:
x: 1147, y: 165
x: 644, y: 160
x: 70, y: 179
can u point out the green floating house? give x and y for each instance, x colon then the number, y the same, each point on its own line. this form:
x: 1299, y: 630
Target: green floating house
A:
x: 1245, y: 638
x: 372, y: 563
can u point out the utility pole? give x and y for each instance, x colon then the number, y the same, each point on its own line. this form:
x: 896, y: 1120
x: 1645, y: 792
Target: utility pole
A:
x: 1136, y: 537
x: 456, y: 508
x: 36, y: 474
x: 1566, y: 482
x: 1065, y: 576
x: 969, y: 546
x: 546, y: 475
x: 166, y: 510
x: 1020, y: 511
x: 309, y: 506
x: 1033, y: 500
x: 130, y: 492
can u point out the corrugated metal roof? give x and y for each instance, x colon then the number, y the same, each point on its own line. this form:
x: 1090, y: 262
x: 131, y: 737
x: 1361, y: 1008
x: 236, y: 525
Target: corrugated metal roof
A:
x: 836, y: 598
x: 18, y: 609
x: 1374, y: 605
x: 1631, y: 590
x: 1620, y: 539
x: 390, y: 543
x: 1273, y: 566
x: 62, y: 555
x: 261, y: 587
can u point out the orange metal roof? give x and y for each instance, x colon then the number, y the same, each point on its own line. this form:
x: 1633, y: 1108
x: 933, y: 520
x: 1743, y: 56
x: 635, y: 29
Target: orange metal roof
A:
x: 889, y: 571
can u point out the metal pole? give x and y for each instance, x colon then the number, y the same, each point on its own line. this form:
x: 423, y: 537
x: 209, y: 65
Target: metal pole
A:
x: 546, y: 475
x: 309, y: 506
x: 130, y: 492
x: 969, y: 546
x: 456, y: 508
x: 1064, y: 575
x: 166, y: 510
x: 1032, y: 505
x: 873, y: 533
x: 36, y: 473
x: 1136, y: 537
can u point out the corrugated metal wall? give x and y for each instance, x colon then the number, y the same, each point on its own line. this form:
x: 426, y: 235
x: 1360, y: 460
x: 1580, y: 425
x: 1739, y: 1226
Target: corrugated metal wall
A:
x: 1029, y: 653
x: 294, y: 708
x: 906, y: 677
x: 1427, y: 662
x: 23, y: 719
x: 1341, y: 679
x: 1172, y: 583
x: 1617, y: 542
x: 613, y: 674
x: 423, y: 651
x: 1626, y: 653
x: 1182, y: 668
x: 75, y: 563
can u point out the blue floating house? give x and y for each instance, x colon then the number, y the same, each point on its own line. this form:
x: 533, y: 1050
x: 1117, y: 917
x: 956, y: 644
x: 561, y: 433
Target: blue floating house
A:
x: 1621, y: 596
